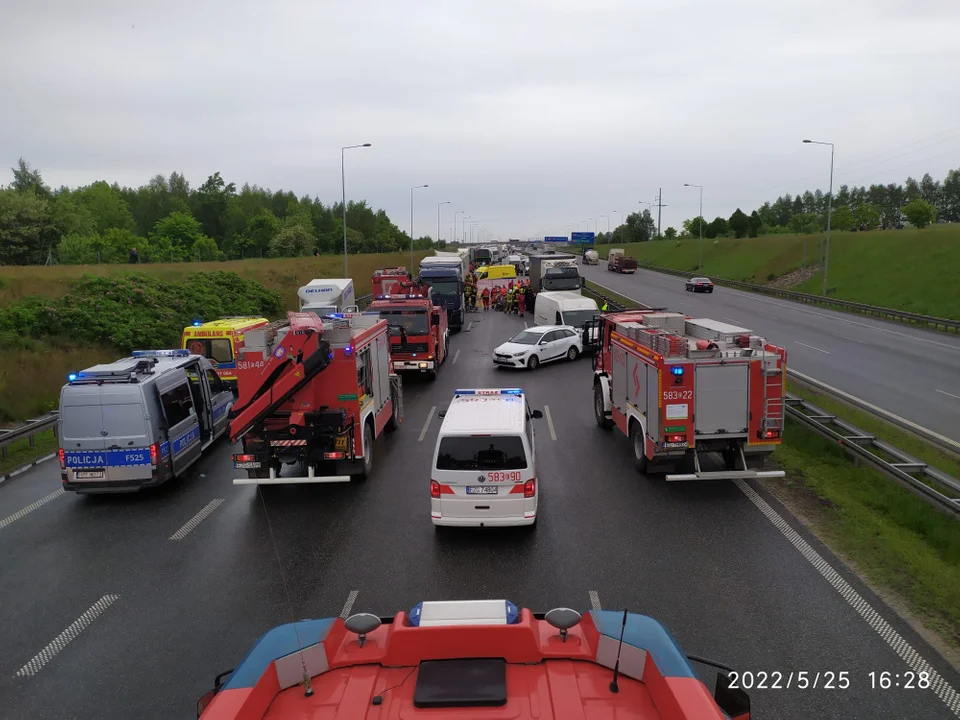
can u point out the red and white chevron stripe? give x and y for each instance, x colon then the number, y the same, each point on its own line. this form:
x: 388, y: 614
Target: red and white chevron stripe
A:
x: 287, y: 443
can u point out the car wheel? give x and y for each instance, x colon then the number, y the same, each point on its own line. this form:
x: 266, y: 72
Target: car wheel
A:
x: 533, y: 362
x: 710, y: 290
x: 572, y: 352
x: 639, y: 448
x: 598, y: 412
x: 367, y: 470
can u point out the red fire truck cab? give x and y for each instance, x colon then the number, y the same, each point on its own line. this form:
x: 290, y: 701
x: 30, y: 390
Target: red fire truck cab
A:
x: 688, y: 391
x: 419, y: 336
x: 315, y: 393
x: 391, y: 281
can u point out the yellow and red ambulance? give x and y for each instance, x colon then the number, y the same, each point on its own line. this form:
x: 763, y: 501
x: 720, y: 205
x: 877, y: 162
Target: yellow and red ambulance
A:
x: 219, y: 341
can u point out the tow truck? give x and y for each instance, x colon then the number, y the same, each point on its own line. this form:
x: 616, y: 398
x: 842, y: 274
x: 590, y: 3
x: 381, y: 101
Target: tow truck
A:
x: 682, y: 388
x: 419, y: 337
x: 315, y: 392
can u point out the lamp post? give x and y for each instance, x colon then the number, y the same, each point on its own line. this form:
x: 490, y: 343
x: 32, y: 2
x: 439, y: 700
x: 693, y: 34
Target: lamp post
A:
x: 608, y: 221
x: 826, y: 247
x: 415, y: 187
x: 439, y: 205
x: 343, y: 190
x: 700, y: 222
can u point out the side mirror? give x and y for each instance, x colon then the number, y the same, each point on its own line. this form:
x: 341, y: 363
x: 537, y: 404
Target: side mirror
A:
x: 536, y: 414
x: 204, y: 702
x: 442, y: 414
x: 583, y: 282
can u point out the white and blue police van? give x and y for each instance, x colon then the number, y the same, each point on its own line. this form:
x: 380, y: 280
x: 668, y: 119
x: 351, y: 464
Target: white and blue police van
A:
x: 139, y: 421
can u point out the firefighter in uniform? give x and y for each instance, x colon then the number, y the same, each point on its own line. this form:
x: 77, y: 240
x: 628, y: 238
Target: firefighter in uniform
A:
x: 485, y: 297
x: 521, y: 299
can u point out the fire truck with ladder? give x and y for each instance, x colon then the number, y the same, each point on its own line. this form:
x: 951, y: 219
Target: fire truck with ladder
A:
x: 689, y: 393
x: 314, y: 392
x: 419, y: 336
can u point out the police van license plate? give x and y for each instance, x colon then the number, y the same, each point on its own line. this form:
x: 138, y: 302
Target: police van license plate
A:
x: 250, y: 465
x: 89, y: 474
x: 482, y: 490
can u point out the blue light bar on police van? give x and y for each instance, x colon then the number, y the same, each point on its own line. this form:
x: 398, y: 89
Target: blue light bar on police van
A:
x: 161, y: 353
x: 490, y: 391
x: 71, y: 377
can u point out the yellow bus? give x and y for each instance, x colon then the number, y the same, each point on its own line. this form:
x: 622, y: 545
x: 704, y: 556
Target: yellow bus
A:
x: 219, y: 341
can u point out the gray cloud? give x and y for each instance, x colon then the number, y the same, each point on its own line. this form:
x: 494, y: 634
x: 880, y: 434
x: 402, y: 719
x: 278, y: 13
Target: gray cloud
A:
x: 529, y: 115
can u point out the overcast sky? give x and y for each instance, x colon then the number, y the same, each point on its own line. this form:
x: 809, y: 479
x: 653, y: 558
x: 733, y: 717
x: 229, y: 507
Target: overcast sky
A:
x: 530, y: 115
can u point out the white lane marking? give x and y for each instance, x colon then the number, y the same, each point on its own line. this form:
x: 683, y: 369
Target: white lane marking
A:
x: 812, y: 347
x: 348, y: 605
x: 196, y: 519
x: 426, y: 425
x: 944, y: 392
x: 64, y: 638
x: 546, y: 411
x: 900, y: 646
x: 30, y: 508
x: 469, y: 325
x: 594, y: 600
x: 455, y: 356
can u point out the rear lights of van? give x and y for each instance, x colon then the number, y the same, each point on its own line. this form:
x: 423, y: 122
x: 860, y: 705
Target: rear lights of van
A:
x: 63, y: 462
x: 529, y: 488
x: 436, y: 489
x: 154, y: 454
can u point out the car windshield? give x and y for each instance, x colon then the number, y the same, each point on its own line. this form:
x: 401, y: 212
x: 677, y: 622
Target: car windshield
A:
x: 414, y: 322
x: 701, y: 280
x: 481, y: 453
x: 527, y: 337
x: 443, y: 287
x: 577, y: 318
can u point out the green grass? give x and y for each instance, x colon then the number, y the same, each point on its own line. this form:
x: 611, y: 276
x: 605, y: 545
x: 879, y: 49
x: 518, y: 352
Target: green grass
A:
x: 21, y: 453
x: 901, y: 269
x: 896, y: 539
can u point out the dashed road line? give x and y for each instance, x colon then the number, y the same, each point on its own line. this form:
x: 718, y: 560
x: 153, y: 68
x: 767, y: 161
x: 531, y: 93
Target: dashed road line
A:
x: 825, y: 352
x: 455, y: 356
x: 66, y: 637
x: 348, y: 605
x: 594, y: 600
x: 553, y: 433
x: 426, y: 425
x: 944, y: 392
x: 30, y: 508
x: 196, y: 519
x: 938, y: 685
x: 469, y: 325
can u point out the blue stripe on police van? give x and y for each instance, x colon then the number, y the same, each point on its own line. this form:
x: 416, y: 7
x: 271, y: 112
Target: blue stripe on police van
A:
x: 106, y: 458
x: 227, y: 365
x: 219, y: 412
x: 184, y: 441
x: 164, y: 450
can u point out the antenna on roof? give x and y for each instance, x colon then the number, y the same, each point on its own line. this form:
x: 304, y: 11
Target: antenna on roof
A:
x: 614, y: 688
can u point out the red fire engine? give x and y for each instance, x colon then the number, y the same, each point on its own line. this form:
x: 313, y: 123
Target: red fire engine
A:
x: 681, y: 388
x: 391, y: 281
x: 419, y: 336
x: 317, y: 392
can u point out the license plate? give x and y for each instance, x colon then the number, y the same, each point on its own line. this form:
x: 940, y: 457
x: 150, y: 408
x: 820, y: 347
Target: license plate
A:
x: 482, y: 490
x: 341, y: 444
x: 254, y: 465
x: 89, y: 475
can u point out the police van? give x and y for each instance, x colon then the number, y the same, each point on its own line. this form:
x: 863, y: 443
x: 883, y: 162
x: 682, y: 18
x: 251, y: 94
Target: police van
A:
x: 139, y: 421
x: 484, y: 471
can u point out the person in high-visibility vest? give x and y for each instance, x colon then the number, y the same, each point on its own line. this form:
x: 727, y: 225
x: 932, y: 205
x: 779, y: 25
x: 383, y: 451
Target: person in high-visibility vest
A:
x: 521, y: 300
x: 604, y: 307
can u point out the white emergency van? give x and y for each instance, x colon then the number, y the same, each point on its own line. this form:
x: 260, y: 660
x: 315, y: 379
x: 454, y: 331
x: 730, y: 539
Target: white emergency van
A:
x: 484, y: 470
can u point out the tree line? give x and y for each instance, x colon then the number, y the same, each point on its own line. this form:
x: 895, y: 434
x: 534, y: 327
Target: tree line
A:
x: 168, y: 221
x: 854, y: 208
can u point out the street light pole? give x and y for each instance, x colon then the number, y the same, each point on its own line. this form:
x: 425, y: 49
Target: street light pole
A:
x: 608, y: 221
x: 415, y: 187
x: 343, y: 191
x: 700, y: 222
x: 826, y: 247
x: 438, y: 220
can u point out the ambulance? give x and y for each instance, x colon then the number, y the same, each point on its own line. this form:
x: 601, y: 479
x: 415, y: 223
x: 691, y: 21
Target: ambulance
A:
x: 484, y: 470
x: 220, y: 341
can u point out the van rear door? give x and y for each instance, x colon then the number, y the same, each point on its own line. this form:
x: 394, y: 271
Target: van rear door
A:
x: 81, y: 432
x: 484, y: 475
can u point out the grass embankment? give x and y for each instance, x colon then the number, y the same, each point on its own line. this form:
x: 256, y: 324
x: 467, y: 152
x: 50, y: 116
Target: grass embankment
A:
x: 890, y: 536
x: 901, y: 269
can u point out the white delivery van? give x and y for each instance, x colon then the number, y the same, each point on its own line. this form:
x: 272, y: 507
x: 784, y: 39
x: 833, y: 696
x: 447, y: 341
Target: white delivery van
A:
x: 484, y: 470
x: 564, y: 307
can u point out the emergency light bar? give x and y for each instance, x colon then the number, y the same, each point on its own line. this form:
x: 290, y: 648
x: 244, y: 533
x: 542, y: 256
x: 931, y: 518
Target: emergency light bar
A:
x: 197, y: 323
x: 161, y: 353
x: 501, y: 391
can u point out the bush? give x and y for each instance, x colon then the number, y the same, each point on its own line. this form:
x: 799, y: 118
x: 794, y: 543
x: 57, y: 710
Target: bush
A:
x: 135, y: 311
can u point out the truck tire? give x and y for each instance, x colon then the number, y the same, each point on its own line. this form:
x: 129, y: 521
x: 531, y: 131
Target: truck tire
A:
x: 639, y: 448
x: 432, y: 375
x: 599, y: 414
x: 367, y: 470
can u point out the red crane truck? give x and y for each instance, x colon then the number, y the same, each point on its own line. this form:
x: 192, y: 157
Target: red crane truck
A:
x: 315, y: 392
x: 390, y: 281
x: 682, y: 388
x: 419, y: 336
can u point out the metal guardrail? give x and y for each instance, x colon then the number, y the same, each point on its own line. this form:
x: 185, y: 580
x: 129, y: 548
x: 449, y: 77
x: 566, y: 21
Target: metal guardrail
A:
x: 929, y: 321
x: 931, y: 484
x: 27, y: 430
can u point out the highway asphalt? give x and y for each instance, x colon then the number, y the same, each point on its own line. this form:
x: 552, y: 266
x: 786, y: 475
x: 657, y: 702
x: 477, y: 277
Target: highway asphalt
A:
x: 169, y: 614
x: 910, y: 372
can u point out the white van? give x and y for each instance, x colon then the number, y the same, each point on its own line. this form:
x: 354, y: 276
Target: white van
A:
x: 484, y: 471
x: 565, y: 307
